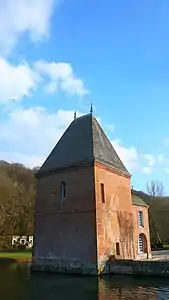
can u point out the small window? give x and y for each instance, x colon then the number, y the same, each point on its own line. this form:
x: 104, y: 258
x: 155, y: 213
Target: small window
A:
x: 140, y: 244
x: 102, y: 192
x: 140, y: 218
x: 63, y: 190
x: 117, y: 248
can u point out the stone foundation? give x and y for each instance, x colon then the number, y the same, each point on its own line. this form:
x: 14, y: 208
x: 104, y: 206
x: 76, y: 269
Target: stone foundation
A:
x: 115, y: 267
x: 64, y: 266
x: 140, y: 268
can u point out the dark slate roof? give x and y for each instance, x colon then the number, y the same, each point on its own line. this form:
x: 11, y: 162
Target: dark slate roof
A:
x: 136, y: 200
x: 83, y: 141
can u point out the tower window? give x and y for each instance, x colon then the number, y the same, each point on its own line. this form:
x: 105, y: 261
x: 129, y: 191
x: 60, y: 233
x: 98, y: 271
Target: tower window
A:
x: 140, y: 219
x: 102, y: 192
x: 117, y: 248
x: 63, y: 190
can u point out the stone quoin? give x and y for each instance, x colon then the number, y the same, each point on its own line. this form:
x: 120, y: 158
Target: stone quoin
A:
x: 86, y: 213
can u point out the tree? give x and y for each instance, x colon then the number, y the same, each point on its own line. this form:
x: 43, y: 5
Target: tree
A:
x: 17, y: 196
x: 155, y: 188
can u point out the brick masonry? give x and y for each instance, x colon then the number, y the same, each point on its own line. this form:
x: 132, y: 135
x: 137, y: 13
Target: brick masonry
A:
x: 141, y: 230
x: 65, y: 232
x: 79, y: 235
x: 113, y: 214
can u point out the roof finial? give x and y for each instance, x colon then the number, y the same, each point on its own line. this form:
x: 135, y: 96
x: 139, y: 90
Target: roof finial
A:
x: 74, y: 115
x: 91, y: 109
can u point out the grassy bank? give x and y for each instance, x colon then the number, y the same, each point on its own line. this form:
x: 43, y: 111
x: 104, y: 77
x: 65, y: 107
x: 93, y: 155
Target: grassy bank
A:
x: 23, y: 255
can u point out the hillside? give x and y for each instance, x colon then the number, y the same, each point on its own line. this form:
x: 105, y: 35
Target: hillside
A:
x: 17, y: 195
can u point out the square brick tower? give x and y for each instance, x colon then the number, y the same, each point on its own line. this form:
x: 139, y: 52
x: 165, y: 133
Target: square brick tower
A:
x: 83, y: 210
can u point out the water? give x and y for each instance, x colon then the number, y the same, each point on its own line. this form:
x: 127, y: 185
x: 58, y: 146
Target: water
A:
x: 16, y: 283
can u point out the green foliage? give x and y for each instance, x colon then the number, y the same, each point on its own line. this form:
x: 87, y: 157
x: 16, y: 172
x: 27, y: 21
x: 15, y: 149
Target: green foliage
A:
x: 17, y: 196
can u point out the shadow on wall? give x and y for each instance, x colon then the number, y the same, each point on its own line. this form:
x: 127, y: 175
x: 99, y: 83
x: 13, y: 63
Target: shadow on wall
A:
x: 126, y: 227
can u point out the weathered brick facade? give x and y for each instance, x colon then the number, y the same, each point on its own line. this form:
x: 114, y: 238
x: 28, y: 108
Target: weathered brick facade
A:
x: 95, y: 220
x: 115, y: 216
x: 66, y: 230
x: 141, y: 230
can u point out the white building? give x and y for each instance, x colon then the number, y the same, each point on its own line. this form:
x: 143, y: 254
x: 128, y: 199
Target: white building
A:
x: 23, y: 240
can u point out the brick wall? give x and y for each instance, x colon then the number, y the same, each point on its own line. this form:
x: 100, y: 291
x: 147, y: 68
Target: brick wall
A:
x: 83, y: 229
x: 114, y: 218
x: 67, y: 230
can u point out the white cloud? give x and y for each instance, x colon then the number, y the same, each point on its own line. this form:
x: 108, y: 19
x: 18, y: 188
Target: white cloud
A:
x: 129, y: 156
x: 20, y: 80
x: 33, y: 133
x: 29, y: 161
x: 151, y: 161
x: 60, y: 76
x: 16, y: 81
x: 24, y: 16
x: 147, y: 170
x: 31, y: 17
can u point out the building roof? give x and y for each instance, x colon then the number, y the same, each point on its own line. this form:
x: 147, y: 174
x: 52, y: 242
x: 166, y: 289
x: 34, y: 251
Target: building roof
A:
x: 136, y: 200
x: 83, y: 141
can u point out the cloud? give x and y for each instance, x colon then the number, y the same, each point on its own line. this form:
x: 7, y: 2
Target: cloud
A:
x: 147, y: 170
x: 33, y: 133
x: 18, y: 81
x: 60, y: 75
x: 33, y: 18
x: 24, y: 16
x: 29, y: 161
x: 134, y: 160
x: 129, y: 156
x: 151, y: 160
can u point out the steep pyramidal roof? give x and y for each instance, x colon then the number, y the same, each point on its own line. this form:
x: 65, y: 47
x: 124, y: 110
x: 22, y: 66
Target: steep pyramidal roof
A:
x: 83, y: 141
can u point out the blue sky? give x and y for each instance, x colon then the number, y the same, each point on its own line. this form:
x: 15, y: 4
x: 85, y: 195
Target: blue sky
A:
x: 57, y: 56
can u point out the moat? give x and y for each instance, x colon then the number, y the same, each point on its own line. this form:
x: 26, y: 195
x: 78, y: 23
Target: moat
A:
x: 17, y: 283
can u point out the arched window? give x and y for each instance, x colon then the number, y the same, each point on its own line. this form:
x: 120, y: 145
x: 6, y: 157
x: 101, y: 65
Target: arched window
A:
x: 142, y: 243
x: 63, y: 190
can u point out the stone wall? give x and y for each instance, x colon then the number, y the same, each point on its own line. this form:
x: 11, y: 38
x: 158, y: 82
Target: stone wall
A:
x: 66, y: 266
x: 116, y: 267
x: 139, y: 268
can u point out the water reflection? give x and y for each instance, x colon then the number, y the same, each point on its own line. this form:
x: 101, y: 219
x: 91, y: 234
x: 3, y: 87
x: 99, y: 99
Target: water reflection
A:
x: 17, y: 283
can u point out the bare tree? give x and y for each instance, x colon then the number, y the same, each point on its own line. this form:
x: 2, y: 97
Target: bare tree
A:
x: 155, y: 188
